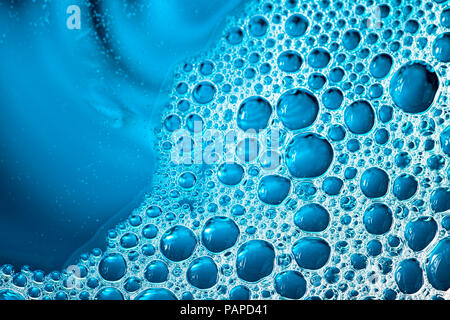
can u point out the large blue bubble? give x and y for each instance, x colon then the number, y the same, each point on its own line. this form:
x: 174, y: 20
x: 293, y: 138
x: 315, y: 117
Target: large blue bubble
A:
x: 312, y: 217
x: 109, y: 293
x: 414, y: 86
x: 438, y: 265
x: 374, y: 182
x: 156, y: 271
x: 255, y: 260
x: 297, y: 109
x: 204, y: 92
x: 112, y: 267
x: 311, y: 252
x: 8, y: 294
x: 290, y: 284
x: 440, y: 199
x: 289, y: 61
x: 319, y: 58
x: 381, y: 65
x: 441, y: 47
x: 378, y: 219
x: 219, y: 234
x: 359, y: 117
x: 230, y: 174
x: 254, y: 113
x: 409, y: 276
x: 202, y: 273
x: 405, y: 186
x: 178, y: 243
x: 273, y: 189
x: 419, y: 232
x: 308, y: 155
x: 156, y: 294
x: 296, y: 25
x: 445, y: 141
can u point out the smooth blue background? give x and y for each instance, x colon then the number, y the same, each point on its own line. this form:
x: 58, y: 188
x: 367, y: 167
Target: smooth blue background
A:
x: 76, y: 144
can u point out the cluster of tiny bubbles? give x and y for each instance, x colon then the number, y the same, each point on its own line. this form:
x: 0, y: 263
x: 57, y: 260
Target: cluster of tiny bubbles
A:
x: 351, y: 202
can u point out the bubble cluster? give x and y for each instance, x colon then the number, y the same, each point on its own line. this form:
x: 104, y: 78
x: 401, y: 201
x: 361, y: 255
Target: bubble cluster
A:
x: 337, y: 182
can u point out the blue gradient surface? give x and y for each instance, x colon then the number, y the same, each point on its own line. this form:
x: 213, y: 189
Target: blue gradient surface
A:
x: 76, y: 151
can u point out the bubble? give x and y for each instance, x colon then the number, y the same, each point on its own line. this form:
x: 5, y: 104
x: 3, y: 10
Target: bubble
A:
x: 441, y: 47
x: 445, y: 141
x: 156, y: 294
x: 187, y: 180
x: 374, y: 182
x: 384, y: 10
x: 435, y: 162
x: 178, y: 243
x: 206, y: 68
x: 319, y: 58
x: 374, y: 248
x: 204, y: 92
x: 240, y: 292
x: 230, y: 174
x: 336, y: 74
x: 254, y: 113
x: 440, y: 199
x: 316, y: 81
x: 359, y: 117
x: 132, y: 284
x: 234, y: 36
x: 7, y: 294
x: 358, y: 261
x: 129, y: 240
x: 290, y: 284
x: 405, y: 186
x: 112, y: 267
x: 336, y: 133
x: 385, y: 113
x: 378, y: 219
x: 380, y: 65
x: 258, y: 26
x: 156, y: 272
x: 202, y: 273
x: 412, y: 26
x: 153, y: 212
x: 273, y: 189
x: 296, y: 25
x: 445, y: 17
x: 382, y: 136
x: 409, y: 276
x: 194, y: 123
x: 446, y: 223
x: 219, y: 234
x: 297, y: 109
x: 289, y: 61
x: 308, y: 155
x: 311, y: 252
x: 312, y: 217
x: 419, y: 232
x: 255, y: 260
x: 109, y: 293
x: 172, y: 123
x: 402, y: 160
x: 332, y: 98
x: 332, y: 186
x: 351, y: 39
x: 414, y: 86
